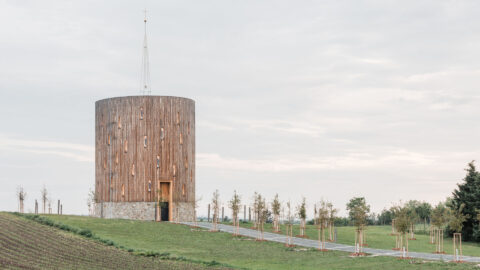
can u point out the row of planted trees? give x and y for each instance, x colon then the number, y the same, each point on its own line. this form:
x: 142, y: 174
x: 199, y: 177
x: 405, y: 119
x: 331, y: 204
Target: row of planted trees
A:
x: 404, y: 218
x: 45, y: 199
x: 283, y: 214
x: 442, y: 217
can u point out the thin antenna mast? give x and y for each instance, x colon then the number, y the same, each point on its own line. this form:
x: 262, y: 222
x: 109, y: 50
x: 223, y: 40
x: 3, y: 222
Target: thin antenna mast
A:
x: 145, y: 73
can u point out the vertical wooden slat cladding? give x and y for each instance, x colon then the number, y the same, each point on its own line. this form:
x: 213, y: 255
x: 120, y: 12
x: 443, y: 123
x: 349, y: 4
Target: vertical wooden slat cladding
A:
x: 122, y: 160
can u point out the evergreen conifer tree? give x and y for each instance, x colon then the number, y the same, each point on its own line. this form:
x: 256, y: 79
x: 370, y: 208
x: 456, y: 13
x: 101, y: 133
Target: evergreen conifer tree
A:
x: 468, y: 194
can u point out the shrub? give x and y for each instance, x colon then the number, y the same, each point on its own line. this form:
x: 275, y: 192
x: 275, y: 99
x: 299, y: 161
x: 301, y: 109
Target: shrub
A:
x: 86, y: 233
x: 213, y: 263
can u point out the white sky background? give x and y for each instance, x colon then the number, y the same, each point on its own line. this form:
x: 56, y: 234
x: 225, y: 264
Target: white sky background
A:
x: 322, y: 99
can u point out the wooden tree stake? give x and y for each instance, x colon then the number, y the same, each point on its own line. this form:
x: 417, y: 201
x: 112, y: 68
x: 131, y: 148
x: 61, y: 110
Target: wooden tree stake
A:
x: 457, y: 247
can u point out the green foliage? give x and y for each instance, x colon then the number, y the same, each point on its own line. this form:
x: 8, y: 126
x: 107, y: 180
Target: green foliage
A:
x: 85, y: 232
x: 302, y: 209
x: 424, y: 210
x: 468, y: 193
x: 234, y: 204
x: 457, y: 219
x: 261, y: 208
x: 341, y: 221
x: 332, y: 213
x: 323, y: 214
x: 385, y: 217
x: 440, y: 215
x: 419, y: 210
x: 404, y: 217
x: 358, y: 211
x: 276, y: 205
x: 378, y: 237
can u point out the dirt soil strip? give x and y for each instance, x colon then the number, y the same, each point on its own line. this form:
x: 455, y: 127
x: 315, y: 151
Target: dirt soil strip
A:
x: 333, y: 246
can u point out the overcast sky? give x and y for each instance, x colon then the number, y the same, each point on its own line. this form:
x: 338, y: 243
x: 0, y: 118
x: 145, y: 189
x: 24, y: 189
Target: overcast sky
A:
x: 322, y: 99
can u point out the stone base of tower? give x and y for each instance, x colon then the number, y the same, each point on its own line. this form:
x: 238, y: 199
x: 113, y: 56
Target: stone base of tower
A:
x: 181, y: 211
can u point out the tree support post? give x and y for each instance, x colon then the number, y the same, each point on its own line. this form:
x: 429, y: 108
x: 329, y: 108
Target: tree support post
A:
x: 457, y: 247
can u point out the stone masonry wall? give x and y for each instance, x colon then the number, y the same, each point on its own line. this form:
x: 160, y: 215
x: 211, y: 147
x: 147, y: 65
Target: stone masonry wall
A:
x: 185, y: 211
x: 142, y: 210
x: 126, y: 210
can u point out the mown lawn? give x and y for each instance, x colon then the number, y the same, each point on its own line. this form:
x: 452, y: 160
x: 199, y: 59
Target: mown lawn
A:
x: 379, y: 237
x: 245, y: 253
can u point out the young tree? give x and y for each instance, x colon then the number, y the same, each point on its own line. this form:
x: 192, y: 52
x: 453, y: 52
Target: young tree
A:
x: 354, y: 203
x: 216, y: 207
x: 332, y: 214
x: 21, y: 195
x: 255, y: 212
x: 403, y: 221
x: 302, y: 214
x: 440, y: 217
x: 276, y: 206
x: 262, y: 213
x: 457, y: 218
x: 322, y: 221
x: 44, y: 194
x: 467, y: 193
x: 91, y: 202
x: 411, y: 208
x: 234, y: 204
x: 358, y: 212
x: 289, y: 225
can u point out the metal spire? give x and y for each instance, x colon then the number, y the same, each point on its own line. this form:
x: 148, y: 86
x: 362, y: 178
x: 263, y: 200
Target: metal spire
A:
x: 145, y: 73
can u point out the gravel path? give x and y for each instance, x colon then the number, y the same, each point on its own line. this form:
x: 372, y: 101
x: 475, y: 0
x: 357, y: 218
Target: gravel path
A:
x: 333, y: 246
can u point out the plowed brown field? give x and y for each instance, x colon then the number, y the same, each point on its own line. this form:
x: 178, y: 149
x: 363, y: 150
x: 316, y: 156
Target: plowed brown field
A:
x: 25, y: 244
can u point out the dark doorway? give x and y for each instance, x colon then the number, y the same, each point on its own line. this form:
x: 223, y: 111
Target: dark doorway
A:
x: 164, y: 211
x: 164, y: 199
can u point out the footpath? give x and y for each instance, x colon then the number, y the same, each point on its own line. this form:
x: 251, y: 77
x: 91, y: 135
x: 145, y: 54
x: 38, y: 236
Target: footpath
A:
x: 332, y: 246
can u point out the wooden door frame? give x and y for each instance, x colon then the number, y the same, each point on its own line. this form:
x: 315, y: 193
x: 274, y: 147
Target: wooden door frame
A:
x: 170, y: 204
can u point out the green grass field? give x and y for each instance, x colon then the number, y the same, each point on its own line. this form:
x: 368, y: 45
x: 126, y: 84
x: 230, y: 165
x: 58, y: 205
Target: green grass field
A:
x: 197, y: 244
x: 379, y: 237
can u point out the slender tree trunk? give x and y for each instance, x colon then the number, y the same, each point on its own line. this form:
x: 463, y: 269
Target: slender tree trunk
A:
x: 323, y: 237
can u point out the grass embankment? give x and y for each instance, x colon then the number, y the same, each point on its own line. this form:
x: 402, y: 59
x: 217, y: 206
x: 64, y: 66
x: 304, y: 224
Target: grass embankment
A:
x: 197, y: 244
x: 379, y: 237
x: 25, y: 244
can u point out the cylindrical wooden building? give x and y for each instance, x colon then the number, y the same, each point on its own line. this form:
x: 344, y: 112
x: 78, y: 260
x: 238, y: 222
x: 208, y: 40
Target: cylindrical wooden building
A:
x: 145, y: 158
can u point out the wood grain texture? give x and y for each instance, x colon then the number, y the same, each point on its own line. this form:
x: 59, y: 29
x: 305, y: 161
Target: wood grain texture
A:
x: 141, y: 141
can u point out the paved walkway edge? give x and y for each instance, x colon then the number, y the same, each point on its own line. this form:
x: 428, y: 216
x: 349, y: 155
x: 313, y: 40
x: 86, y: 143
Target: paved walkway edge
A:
x: 331, y: 246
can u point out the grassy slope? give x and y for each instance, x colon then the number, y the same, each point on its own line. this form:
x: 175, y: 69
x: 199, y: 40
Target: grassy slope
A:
x: 379, y: 237
x: 202, y: 245
x: 25, y: 244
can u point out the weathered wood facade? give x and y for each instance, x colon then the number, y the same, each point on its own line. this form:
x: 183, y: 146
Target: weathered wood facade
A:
x: 142, y: 142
